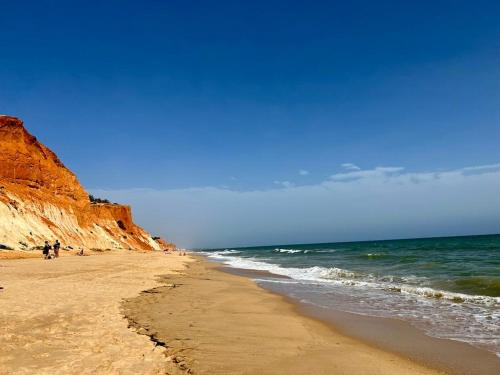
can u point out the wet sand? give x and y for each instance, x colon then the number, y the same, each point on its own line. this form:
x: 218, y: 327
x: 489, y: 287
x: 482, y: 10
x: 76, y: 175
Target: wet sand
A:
x: 453, y: 357
x: 394, y: 335
x: 212, y: 322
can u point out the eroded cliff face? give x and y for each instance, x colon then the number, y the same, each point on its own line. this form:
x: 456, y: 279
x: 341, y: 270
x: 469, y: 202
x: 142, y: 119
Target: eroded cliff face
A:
x: 40, y: 199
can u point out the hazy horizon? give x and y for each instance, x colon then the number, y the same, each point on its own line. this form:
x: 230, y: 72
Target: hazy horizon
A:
x: 355, y: 205
x: 346, y: 242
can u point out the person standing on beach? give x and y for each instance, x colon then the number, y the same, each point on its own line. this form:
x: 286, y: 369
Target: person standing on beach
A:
x: 46, y: 249
x: 57, y: 246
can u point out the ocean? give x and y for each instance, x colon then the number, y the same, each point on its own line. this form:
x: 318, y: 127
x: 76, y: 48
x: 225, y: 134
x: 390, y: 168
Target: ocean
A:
x: 449, y: 287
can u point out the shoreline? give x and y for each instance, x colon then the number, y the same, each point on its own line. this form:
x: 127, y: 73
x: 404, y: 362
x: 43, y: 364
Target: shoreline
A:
x: 400, y: 337
x: 213, y: 322
x: 152, y: 313
x: 394, y: 335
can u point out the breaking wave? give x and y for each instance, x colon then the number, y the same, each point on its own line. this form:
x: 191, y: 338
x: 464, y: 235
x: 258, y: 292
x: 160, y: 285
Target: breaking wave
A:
x: 291, y: 251
x: 345, y: 277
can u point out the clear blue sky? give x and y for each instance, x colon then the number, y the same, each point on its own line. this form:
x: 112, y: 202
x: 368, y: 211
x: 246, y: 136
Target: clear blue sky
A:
x: 243, y: 95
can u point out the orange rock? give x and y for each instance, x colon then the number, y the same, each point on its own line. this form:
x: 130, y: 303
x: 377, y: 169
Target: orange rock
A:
x: 41, y: 199
x: 164, y: 244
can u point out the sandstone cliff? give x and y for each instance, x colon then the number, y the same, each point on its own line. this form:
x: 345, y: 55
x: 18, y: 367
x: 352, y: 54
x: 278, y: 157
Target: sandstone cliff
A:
x: 40, y: 199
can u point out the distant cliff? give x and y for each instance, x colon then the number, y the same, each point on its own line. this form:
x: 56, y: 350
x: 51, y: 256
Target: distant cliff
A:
x: 40, y: 199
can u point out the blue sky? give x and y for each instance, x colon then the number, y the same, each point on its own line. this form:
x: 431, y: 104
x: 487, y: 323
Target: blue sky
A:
x: 242, y: 96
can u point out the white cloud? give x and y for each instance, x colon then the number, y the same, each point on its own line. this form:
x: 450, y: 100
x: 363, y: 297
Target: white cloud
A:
x: 358, y: 173
x: 350, y: 167
x: 482, y: 167
x: 285, y: 184
x: 303, y: 172
x: 385, y: 202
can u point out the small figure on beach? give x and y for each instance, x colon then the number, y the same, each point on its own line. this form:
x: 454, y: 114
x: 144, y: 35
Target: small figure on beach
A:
x: 80, y: 253
x: 46, y: 250
x: 56, y: 247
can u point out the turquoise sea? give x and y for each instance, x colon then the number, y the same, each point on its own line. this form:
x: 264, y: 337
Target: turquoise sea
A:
x: 449, y: 286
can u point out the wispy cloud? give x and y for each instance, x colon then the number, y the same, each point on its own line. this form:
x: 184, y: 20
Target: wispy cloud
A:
x: 285, y: 184
x: 384, y: 202
x: 303, y: 172
x: 358, y: 173
x: 482, y: 167
x: 350, y: 167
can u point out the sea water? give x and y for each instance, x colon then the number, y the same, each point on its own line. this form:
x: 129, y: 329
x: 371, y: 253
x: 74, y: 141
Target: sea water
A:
x: 448, y: 287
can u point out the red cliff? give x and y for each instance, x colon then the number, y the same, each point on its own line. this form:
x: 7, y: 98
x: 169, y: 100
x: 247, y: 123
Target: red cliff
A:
x: 41, y: 199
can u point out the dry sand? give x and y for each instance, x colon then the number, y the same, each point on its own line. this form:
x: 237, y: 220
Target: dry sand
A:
x: 64, y: 316
x: 216, y: 323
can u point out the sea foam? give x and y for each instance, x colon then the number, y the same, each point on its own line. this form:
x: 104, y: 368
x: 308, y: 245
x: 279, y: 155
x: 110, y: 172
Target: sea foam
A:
x: 349, y: 278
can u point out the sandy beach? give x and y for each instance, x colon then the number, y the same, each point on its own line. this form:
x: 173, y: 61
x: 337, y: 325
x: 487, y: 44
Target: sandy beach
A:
x: 151, y: 313
x: 64, y: 316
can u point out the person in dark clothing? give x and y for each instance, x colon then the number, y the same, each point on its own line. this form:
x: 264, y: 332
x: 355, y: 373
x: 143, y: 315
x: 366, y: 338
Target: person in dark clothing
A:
x: 56, y: 247
x: 46, y: 249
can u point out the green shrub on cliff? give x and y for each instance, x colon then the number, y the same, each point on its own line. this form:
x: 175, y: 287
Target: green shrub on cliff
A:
x: 97, y: 200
